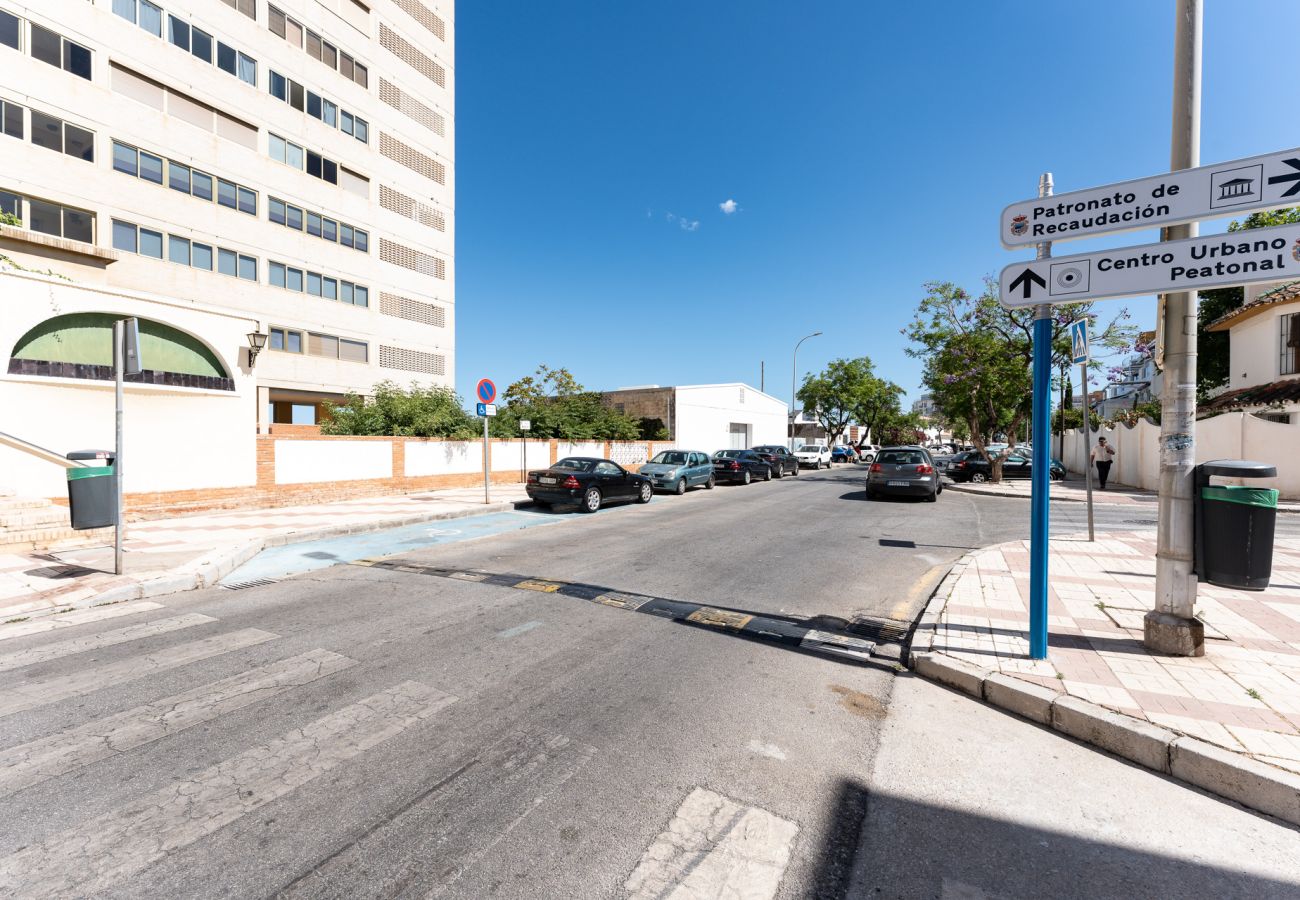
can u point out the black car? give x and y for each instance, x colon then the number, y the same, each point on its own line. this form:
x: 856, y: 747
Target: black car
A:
x: 588, y: 482
x: 741, y: 466
x: 971, y: 465
x: 779, y: 459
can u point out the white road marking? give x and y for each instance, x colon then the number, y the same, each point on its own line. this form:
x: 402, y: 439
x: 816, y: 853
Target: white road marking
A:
x: 34, y: 655
x: 715, y: 848
x: 39, y: 692
x: 31, y: 763
x: 102, y: 851
x: 518, y: 630
x: 78, y: 617
x: 762, y: 749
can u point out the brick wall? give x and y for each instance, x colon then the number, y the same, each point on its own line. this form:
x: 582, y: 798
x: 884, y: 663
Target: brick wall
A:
x: 266, y: 493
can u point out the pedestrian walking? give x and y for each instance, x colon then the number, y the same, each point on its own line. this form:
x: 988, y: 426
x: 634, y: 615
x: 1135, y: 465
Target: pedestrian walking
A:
x: 1102, y: 455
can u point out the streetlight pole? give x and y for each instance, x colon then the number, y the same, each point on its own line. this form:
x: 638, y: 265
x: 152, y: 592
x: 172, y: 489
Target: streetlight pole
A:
x: 1172, y: 627
x: 794, y: 375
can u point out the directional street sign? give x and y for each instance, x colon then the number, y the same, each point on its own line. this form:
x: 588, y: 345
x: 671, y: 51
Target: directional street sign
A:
x: 1079, y: 340
x: 1244, y: 257
x: 1227, y: 189
x: 486, y: 391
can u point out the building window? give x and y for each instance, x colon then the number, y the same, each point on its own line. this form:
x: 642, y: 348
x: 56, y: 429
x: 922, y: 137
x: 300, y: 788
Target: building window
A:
x: 247, y: 7
x: 316, y: 225
x: 286, y: 340
x: 10, y: 30
x: 11, y: 205
x: 316, y: 284
x: 187, y: 37
x: 318, y: 48
x: 293, y: 155
x: 11, y: 119
x: 132, y: 238
x: 49, y: 218
x: 62, y: 137
x: 179, y: 177
x: 1290, y: 363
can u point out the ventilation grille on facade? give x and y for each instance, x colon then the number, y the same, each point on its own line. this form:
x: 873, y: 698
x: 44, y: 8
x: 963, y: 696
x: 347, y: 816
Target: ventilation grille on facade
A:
x: 404, y: 103
x: 411, y: 259
x: 412, y: 310
x: 403, y: 50
x: 411, y: 158
x: 412, y: 360
x: 425, y: 16
x: 403, y: 205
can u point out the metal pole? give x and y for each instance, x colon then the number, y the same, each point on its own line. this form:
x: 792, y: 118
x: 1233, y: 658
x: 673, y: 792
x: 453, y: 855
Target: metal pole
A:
x: 119, y: 364
x: 1042, y: 469
x: 487, y: 450
x: 794, y: 368
x: 1171, y: 627
x: 1087, y: 444
x: 762, y: 375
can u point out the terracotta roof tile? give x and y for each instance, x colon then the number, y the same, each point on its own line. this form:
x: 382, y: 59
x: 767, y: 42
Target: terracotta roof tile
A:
x: 1279, y: 294
x: 1285, y: 391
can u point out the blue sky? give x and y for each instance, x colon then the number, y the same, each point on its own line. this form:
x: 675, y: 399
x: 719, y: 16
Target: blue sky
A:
x: 868, y: 147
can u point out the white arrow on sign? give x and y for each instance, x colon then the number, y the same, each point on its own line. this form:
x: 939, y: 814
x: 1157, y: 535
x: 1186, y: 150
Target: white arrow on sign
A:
x: 1243, y: 257
x: 1226, y: 189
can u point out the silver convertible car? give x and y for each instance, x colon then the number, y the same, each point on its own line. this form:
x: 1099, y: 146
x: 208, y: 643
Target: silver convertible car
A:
x: 677, y: 470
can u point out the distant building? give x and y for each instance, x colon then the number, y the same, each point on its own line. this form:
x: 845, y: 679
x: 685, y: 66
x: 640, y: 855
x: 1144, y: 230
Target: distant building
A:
x: 925, y: 407
x: 1139, y: 382
x: 707, y: 417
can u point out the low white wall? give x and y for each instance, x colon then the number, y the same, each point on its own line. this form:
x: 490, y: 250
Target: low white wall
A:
x: 303, y: 462
x: 507, y: 456
x: 585, y: 448
x: 1229, y: 436
x: 443, y: 457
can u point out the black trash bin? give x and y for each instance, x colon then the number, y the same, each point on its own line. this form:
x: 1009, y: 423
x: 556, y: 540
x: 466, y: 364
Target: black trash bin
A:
x: 92, y: 490
x: 1234, y: 526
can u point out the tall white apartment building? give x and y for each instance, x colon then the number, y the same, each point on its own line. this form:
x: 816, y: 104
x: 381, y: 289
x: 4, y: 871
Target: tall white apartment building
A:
x: 220, y: 169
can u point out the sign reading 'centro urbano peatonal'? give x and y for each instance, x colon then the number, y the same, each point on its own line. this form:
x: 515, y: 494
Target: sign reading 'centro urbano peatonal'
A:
x: 1226, y: 189
x: 1245, y: 257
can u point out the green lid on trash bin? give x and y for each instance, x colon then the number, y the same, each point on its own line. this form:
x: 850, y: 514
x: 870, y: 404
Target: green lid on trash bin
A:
x: 89, y: 472
x: 1247, y: 496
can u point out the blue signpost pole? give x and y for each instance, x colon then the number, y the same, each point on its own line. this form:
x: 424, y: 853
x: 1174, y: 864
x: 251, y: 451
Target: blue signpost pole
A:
x: 1039, y: 513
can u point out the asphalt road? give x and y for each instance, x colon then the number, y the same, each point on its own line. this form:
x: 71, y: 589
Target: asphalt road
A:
x: 358, y: 731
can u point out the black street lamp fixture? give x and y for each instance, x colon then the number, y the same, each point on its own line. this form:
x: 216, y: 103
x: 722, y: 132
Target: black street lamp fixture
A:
x: 256, y: 341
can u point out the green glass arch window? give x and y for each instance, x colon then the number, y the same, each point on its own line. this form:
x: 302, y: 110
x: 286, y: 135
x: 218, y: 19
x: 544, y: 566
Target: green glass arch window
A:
x: 86, y: 339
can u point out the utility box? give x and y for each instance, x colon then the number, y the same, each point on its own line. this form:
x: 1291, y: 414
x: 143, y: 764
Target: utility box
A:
x: 1234, y: 525
x: 92, y: 490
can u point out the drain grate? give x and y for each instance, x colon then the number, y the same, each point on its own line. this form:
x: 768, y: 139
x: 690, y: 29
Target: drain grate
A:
x: 882, y: 631
x: 243, y: 585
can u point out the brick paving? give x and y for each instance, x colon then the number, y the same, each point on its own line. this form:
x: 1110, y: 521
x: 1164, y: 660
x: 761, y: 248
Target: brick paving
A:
x: 39, y: 582
x: 1244, y: 694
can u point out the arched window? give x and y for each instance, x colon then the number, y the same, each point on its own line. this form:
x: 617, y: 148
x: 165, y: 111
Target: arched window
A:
x: 80, y: 345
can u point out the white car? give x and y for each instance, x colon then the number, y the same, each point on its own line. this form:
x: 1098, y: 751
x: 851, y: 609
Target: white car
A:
x: 814, y: 456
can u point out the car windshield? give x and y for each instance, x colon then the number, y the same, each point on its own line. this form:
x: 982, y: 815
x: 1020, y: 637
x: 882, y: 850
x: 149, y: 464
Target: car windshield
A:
x: 728, y: 454
x: 577, y: 465
x: 902, y: 458
x: 669, y: 458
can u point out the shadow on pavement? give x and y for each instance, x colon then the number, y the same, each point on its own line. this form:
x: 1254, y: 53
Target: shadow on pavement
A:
x: 914, y: 849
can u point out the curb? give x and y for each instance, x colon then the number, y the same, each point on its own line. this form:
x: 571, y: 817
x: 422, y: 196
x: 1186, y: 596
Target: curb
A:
x: 206, y: 571
x: 963, y: 488
x: 1216, y: 770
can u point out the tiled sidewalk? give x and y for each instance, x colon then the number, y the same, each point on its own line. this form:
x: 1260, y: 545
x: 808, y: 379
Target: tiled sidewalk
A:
x: 173, y: 554
x: 1243, y: 695
x: 1075, y: 489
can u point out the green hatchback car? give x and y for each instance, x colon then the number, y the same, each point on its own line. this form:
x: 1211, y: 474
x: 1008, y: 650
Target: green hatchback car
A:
x: 677, y: 470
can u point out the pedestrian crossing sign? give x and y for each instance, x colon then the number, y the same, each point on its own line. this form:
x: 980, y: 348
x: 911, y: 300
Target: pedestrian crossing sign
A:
x: 1079, y: 340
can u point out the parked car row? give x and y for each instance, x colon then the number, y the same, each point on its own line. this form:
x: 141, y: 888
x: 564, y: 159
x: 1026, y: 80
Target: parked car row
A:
x: 971, y: 466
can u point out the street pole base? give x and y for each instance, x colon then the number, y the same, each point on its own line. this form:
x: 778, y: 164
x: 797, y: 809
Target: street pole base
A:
x: 1173, y: 635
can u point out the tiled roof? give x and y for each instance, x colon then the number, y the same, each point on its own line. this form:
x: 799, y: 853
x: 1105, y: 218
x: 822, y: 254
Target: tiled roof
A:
x: 1281, y: 294
x: 1284, y: 391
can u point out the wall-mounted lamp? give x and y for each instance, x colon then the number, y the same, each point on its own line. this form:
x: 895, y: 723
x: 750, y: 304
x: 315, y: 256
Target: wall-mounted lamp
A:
x: 256, y: 341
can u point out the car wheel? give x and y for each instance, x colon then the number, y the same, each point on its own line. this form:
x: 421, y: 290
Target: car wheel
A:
x: 746, y: 478
x: 680, y: 487
x: 979, y: 478
x: 931, y: 498
x: 767, y: 474
x: 591, y: 500
x: 777, y: 472
x: 647, y: 492
x: 708, y: 485
x: 796, y: 471
x: 871, y: 495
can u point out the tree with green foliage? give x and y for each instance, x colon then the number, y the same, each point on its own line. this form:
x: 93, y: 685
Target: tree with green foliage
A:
x: 559, y: 407
x: 978, y: 357
x: 1212, y: 358
x: 390, y: 410
x: 847, y: 391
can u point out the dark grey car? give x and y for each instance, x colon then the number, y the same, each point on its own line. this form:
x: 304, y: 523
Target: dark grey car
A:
x: 905, y: 471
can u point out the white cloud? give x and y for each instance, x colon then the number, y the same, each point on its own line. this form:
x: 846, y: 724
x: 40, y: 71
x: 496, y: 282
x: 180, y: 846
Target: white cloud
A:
x: 685, y: 223
x: 728, y: 206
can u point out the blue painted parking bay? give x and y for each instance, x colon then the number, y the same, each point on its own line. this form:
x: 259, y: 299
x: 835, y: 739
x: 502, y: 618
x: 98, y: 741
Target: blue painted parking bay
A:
x: 294, y: 559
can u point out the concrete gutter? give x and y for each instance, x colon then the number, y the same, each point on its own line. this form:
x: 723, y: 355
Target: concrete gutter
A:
x: 1224, y: 773
x: 1098, y: 498
x: 206, y: 571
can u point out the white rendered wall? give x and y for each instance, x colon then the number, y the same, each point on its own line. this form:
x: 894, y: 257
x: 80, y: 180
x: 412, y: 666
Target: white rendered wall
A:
x: 304, y: 462
x: 443, y: 457
x: 705, y: 414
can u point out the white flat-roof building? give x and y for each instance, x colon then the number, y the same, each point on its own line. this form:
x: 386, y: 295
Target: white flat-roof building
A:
x: 218, y: 169
x: 707, y: 417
